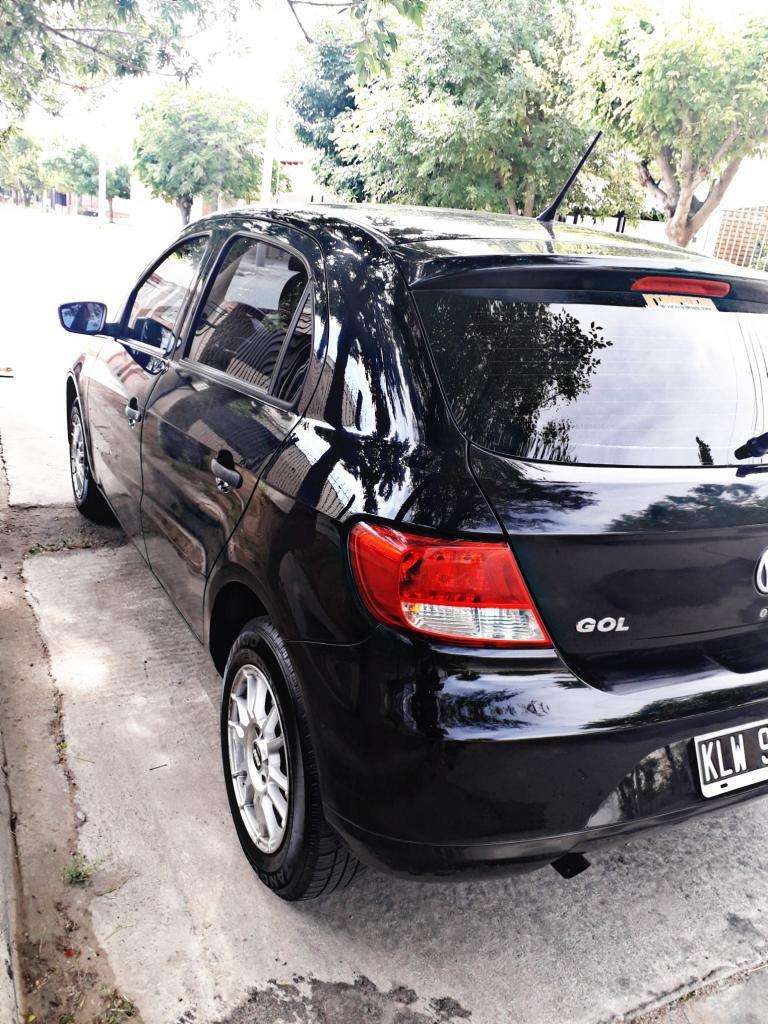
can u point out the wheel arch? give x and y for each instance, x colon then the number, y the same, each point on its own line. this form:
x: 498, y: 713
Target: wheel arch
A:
x: 73, y: 394
x: 232, y: 601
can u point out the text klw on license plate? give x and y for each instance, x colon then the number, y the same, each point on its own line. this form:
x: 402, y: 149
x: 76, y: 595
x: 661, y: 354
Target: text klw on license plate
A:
x: 732, y: 758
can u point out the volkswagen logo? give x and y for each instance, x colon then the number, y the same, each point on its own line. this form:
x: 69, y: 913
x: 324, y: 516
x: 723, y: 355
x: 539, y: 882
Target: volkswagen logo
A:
x: 761, y: 574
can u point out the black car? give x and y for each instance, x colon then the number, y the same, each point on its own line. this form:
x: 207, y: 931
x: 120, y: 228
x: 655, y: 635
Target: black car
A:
x: 471, y: 513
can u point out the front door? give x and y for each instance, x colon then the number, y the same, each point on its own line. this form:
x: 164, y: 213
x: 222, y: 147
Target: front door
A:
x: 127, y: 369
x: 217, y: 415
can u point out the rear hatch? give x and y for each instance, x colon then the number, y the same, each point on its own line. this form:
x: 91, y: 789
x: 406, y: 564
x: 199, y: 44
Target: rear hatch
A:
x: 604, y: 407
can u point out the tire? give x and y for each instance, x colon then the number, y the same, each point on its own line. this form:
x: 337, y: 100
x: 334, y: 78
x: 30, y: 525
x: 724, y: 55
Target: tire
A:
x: 88, y: 498
x: 304, y: 858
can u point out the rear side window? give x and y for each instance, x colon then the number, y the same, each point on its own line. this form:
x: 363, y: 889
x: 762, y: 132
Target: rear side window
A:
x: 156, y: 306
x: 250, y: 312
x: 600, y: 384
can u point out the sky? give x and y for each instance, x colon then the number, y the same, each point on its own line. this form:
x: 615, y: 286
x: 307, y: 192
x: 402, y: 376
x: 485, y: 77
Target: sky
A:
x: 250, y: 58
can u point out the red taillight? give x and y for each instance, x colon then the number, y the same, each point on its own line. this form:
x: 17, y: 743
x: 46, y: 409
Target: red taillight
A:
x: 468, y: 592
x: 681, y: 286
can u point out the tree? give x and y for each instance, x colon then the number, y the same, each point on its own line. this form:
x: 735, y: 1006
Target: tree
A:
x: 478, y: 111
x: 52, y: 46
x: 73, y: 169
x: 689, y: 96
x: 118, y: 186
x: 376, y: 35
x: 321, y: 91
x: 193, y: 143
x: 20, y: 167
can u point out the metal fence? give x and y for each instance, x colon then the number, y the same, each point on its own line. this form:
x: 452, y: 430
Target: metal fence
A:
x: 743, y: 237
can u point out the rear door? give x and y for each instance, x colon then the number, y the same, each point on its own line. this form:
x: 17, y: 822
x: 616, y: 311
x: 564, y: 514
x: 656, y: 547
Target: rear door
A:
x: 221, y: 411
x: 126, y: 370
x: 605, y: 422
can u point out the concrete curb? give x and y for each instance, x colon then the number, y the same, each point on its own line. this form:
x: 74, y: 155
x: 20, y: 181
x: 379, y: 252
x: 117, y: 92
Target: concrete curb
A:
x: 9, y: 962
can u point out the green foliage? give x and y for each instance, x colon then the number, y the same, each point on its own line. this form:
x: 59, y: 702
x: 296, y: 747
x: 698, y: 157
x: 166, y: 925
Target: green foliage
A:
x: 759, y: 260
x: 117, y: 1007
x: 78, y: 871
x: 377, y: 36
x: 52, y: 46
x: 192, y: 143
x: 321, y: 91
x: 689, y: 95
x: 119, y: 182
x: 73, y: 168
x: 20, y: 166
x: 478, y: 112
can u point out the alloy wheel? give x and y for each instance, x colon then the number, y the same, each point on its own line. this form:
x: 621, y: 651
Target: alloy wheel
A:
x: 258, y: 757
x: 77, y: 464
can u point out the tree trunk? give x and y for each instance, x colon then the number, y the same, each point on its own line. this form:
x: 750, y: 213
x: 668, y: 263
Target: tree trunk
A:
x: 111, y: 211
x: 511, y: 205
x: 679, y: 232
x: 528, y: 200
x: 184, y: 205
x: 685, y: 214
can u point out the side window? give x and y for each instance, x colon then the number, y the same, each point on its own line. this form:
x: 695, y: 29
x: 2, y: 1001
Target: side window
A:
x: 158, y: 302
x: 248, y: 311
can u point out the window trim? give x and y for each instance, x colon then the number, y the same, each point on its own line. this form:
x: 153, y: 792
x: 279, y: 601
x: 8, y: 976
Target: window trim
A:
x: 181, y: 319
x: 215, y: 376
x: 308, y: 293
x: 229, y: 379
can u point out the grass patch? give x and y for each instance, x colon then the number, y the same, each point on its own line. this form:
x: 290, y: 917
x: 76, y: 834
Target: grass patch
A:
x: 78, y: 871
x: 118, y: 1009
x: 62, y: 544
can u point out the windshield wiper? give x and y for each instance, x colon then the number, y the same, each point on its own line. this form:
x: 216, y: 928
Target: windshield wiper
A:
x: 753, y: 448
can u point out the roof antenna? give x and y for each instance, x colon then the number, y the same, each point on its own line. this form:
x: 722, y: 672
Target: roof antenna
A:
x: 548, y: 215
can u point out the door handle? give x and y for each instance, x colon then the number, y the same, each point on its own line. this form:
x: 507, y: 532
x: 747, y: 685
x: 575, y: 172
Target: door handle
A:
x: 225, y: 477
x: 133, y: 413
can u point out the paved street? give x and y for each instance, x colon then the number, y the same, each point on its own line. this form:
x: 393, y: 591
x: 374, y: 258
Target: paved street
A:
x: 108, y: 707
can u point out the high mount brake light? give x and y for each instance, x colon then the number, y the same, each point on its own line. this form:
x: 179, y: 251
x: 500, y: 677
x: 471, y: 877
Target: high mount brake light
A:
x: 466, y: 592
x: 681, y: 286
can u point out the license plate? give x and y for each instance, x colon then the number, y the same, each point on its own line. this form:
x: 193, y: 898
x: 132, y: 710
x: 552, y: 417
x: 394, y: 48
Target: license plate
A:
x: 732, y: 758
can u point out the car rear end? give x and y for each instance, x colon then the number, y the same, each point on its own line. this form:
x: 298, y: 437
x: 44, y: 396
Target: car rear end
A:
x: 602, y: 666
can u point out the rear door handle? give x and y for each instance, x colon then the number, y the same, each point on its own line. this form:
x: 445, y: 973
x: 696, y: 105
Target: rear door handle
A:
x: 225, y: 477
x: 133, y: 413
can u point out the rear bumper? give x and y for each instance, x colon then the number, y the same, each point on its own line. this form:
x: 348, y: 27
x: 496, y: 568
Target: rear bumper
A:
x: 487, y: 860
x: 439, y: 761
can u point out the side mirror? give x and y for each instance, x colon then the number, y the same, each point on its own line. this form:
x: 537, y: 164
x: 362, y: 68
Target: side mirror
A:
x: 83, y: 317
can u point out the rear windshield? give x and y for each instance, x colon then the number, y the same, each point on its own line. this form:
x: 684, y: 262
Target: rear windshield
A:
x: 601, y: 384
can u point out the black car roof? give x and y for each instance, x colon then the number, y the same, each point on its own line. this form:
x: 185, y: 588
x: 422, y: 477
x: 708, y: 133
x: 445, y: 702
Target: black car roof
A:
x: 429, y: 240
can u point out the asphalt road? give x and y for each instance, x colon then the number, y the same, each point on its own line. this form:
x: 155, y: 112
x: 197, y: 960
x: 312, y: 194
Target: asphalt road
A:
x: 174, y: 914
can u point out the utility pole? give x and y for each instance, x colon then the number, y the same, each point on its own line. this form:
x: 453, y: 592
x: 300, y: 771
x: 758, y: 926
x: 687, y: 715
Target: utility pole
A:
x: 268, y: 158
x: 102, y: 187
x: 272, y: 13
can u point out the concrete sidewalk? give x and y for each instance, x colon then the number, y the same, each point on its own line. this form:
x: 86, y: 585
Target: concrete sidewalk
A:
x: 187, y: 926
x: 9, y: 899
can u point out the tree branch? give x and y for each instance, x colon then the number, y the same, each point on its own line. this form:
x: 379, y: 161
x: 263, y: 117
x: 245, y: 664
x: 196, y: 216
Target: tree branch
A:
x: 668, y: 176
x: 340, y: 5
x: 97, y: 50
x: 715, y: 195
x: 646, y: 179
x: 298, y: 20
x: 705, y: 169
